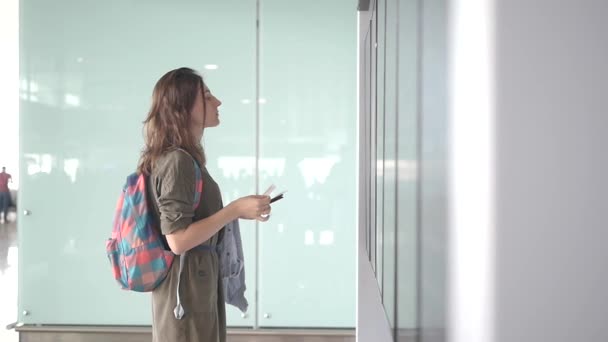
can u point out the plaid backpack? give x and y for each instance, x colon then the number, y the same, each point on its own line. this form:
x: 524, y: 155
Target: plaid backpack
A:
x: 136, y: 249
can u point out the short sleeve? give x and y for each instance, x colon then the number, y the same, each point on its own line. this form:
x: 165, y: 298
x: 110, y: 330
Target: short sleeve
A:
x: 175, y: 186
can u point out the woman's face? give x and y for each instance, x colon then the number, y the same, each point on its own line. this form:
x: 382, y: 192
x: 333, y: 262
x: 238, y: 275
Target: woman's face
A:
x: 205, y: 111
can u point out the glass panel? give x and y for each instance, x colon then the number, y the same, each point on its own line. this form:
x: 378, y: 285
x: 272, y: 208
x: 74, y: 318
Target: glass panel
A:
x: 87, y: 73
x: 308, y: 147
x: 364, y: 154
x: 390, y: 151
x: 371, y: 186
x: 433, y: 172
x: 379, y: 170
x: 407, y: 165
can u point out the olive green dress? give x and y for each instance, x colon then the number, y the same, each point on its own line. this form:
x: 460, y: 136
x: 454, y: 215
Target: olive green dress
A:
x: 201, y: 291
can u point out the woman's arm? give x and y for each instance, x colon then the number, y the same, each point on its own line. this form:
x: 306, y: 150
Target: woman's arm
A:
x: 250, y: 207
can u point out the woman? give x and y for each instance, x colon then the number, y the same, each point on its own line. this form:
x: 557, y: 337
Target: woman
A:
x: 182, y: 107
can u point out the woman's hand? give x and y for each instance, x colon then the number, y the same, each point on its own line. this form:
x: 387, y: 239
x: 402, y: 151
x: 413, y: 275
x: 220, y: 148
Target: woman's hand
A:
x: 254, y: 207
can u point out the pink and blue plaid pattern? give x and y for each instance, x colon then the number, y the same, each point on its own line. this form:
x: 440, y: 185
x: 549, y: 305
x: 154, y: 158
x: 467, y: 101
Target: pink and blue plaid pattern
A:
x: 135, y: 249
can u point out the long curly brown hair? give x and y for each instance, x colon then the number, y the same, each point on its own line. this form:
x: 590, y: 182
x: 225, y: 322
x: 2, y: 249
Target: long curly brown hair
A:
x: 168, y: 124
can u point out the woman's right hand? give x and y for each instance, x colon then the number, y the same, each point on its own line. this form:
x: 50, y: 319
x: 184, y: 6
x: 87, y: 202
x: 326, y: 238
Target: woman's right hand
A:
x: 254, y: 207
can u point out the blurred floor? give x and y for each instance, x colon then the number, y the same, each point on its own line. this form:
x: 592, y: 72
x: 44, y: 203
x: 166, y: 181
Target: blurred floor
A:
x: 8, y: 278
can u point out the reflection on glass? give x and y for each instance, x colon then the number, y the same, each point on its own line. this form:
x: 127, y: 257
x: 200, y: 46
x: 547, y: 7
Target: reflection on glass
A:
x: 408, y: 170
x: 70, y: 247
x: 36, y: 163
x: 317, y: 169
x: 272, y: 167
x: 70, y: 167
x: 309, y: 238
x: 236, y: 167
x: 72, y: 100
x: 326, y: 238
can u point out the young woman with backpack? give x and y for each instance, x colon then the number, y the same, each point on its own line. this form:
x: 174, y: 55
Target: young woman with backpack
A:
x: 173, y: 159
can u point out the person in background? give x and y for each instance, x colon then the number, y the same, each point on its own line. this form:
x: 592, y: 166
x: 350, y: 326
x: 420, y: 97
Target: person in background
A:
x: 5, y: 194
